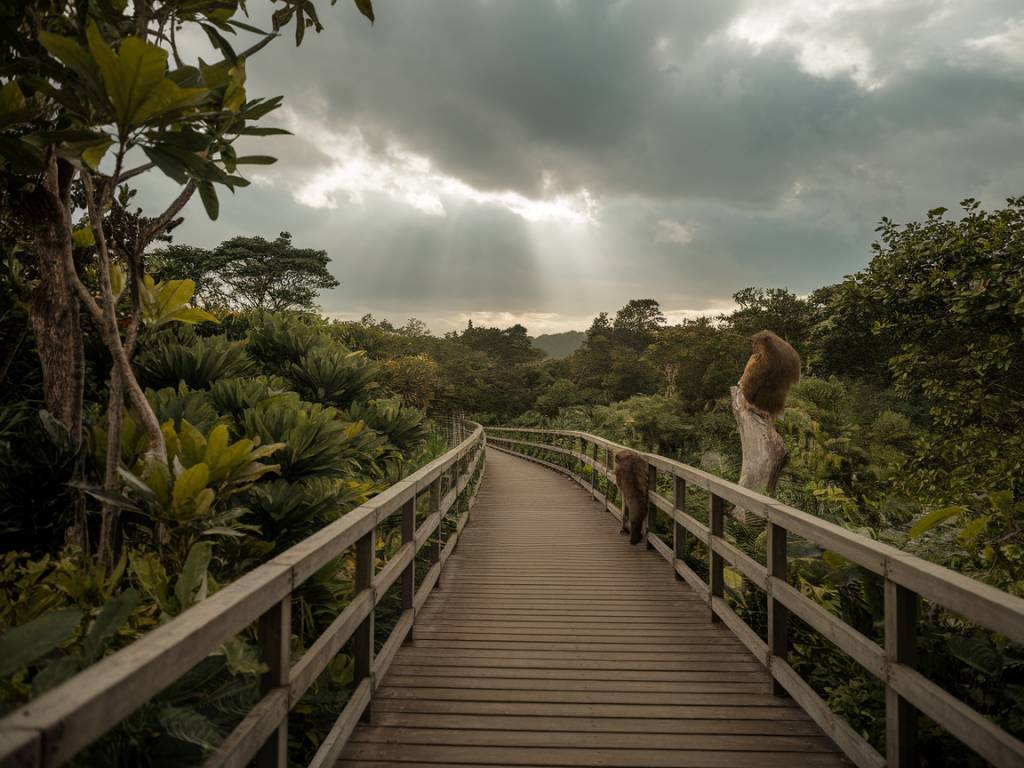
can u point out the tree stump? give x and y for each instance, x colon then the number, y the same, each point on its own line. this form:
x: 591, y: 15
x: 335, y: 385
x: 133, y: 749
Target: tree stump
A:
x: 764, y: 452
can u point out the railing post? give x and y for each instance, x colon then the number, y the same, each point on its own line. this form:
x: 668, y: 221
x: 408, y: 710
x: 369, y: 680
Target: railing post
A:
x: 609, y: 462
x: 362, y: 640
x: 678, y: 532
x: 275, y: 628
x: 593, y: 469
x: 716, y: 565
x: 778, y: 614
x: 900, y: 648
x: 409, y: 574
x: 435, y: 506
x: 652, y: 510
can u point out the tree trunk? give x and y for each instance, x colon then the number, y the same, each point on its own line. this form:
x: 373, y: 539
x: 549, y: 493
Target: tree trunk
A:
x: 56, y: 322
x: 764, y: 452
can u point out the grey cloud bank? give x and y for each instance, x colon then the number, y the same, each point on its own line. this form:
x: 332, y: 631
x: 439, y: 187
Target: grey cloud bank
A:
x: 543, y: 161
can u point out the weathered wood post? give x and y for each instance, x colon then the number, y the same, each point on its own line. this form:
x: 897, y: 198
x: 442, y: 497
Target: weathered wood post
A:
x: 362, y: 640
x: 275, y: 633
x: 678, y: 532
x: 764, y: 452
x: 900, y: 648
x: 409, y: 574
x: 778, y: 614
x: 652, y: 510
x: 716, y: 563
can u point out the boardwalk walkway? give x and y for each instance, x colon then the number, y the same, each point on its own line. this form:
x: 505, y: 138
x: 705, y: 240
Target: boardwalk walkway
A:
x: 553, y: 642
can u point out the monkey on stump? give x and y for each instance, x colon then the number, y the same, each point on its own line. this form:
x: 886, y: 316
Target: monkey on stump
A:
x: 631, y: 478
x: 772, y: 369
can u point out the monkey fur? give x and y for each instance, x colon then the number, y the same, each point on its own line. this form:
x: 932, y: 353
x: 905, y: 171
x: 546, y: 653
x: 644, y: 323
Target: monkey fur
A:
x: 771, y: 370
x: 631, y: 478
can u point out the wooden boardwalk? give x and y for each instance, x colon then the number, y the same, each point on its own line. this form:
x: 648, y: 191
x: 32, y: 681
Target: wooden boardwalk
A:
x: 552, y: 642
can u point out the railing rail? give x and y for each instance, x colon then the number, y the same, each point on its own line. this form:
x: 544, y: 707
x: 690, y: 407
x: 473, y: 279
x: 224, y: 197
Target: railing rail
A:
x: 906, y: 579
x: 52, y: 729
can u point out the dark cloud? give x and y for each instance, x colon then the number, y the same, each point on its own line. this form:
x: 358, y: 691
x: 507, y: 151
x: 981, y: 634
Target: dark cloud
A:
x: 777, y: 134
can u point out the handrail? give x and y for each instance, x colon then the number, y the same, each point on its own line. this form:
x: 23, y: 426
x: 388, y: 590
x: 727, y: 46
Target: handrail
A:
x: 52, y: 729
x: 906, y: 578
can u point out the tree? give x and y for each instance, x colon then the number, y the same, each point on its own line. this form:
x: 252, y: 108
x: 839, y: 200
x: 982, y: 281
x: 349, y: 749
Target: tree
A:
x: 950, y: 297
x: 252, y: 273
x: 636, y: 323
x: 698, y: 360
x: 90, y: 87
x: 773, y: 309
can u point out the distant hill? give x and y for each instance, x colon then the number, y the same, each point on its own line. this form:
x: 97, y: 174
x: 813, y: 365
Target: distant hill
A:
x: 559, y: 345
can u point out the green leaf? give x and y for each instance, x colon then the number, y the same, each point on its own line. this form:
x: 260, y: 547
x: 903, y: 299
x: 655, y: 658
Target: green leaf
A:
x: 191, y: 727
x: 21, y: 156
x: 976, y: 652
x: 366, y: 8
x: 257, y: 131
x: 193, y: 315
x: 130, y: 75
x: 92, y: 155
x: 152, y: 576
x: 933, y: 518
x: 256, y: 160
x: 209, y: 197
x: 191, y: 585
x: 23, y: 645
x: 170, y: 164
x: 71, y: 55
x: 56, y: 672
x: 111, y: 618
x: 242, y: 658
x: 188, y: 485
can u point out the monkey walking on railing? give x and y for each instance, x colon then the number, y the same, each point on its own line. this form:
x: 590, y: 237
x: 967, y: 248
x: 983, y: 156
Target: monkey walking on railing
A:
x: 631, y: 478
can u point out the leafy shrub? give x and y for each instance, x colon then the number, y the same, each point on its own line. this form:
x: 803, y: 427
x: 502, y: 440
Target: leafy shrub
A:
x: 277, y: 340
x: 234, y: 396
x: 317, y: 443
x: 198, y: 363
x: 183, y: 404
x: 332, y: 375
x: 403, y: 426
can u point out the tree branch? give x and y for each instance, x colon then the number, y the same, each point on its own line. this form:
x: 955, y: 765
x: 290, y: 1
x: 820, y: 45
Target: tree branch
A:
x: 165, y: 218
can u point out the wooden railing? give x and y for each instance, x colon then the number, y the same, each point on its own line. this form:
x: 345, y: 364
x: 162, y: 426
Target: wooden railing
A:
x: 906, y: 579
x: 52, y: 729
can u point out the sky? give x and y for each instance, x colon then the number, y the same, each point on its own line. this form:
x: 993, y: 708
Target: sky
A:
x: 541, y: 161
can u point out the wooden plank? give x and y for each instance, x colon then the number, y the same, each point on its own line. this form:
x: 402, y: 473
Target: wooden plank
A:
x: 848, y: 740
x: 756, y: 573
x: 386, y: 655
x: 20, y: 748
x: 585, y: 724
x: 426, y: 529
x: 315, y: 660
x: 251, y: 735
x: 335, y: 740
x: 425, y: 588
x: 756, y: 646
x: 863, y: 650
x: 639, y: 758
x: 393, y: 569
x: 595, y: 740
x: 975, y: 730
